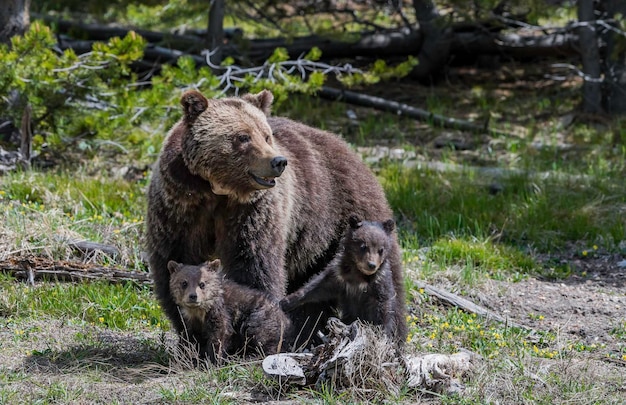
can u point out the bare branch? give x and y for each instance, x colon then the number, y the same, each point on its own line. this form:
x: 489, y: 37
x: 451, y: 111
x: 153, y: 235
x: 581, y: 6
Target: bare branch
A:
x: 275, y: 72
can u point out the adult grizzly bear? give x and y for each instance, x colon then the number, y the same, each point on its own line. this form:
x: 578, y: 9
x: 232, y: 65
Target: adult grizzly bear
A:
x: 270, y: 197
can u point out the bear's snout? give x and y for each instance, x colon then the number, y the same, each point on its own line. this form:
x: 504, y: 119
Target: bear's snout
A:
x: 278, y: 165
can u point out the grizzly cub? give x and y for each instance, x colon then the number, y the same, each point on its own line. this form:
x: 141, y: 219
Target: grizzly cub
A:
x: 358, y: 281
x: 227, y: 318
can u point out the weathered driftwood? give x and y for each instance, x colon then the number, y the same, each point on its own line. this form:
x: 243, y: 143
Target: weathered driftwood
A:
x: 358, y: 357
x: 439, y: 372
x: 37, y: 268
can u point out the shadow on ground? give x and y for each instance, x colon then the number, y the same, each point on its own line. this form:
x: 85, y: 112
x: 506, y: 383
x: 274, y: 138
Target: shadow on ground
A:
x: 123, y: 357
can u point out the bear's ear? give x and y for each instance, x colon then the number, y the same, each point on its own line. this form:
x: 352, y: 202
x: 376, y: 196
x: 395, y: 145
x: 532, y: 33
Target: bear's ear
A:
x: 389, y: 225
x: 173, y: 266
x: 262, y: 101
x: 194, y: 103
x: 213, y: 265
x: 354, y: 221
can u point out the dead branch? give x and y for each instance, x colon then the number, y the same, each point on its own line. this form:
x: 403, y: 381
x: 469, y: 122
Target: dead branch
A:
x: 87, y: 248
x: 407, y: 110
x: 37, y: 268
x: 468, y: 306
x: 26, y: 135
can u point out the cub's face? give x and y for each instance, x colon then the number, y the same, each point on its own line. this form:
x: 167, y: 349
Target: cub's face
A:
x: 231, y: 144
x: 194, y: 286
x: 368, y: 244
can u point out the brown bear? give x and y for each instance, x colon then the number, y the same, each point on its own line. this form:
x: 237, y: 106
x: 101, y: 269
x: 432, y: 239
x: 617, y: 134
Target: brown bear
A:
x: 270, y: 197
x: 358, y: 281
x: 222, y: 317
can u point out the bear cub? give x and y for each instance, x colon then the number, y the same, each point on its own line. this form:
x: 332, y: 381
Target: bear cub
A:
x: 358, y: 281
x: 227, y: 318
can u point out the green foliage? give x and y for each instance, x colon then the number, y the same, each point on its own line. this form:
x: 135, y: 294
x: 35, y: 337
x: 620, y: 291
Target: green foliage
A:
x: 380, y: 71
x: 95, y: 98
x: 69, y: 94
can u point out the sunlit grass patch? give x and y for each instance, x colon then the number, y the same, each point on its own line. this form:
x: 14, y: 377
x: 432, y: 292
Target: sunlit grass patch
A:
x: 117, y: 306
x: 498, y: 261
x: 79, y: 194
x: 542, y: 212
x: 41, y: 210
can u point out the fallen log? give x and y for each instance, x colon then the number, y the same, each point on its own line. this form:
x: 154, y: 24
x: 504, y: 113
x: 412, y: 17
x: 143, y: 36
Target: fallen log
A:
x: 88, y: 248
x: 38, y: 268
x: 395, y: 107
x: 464, y: 45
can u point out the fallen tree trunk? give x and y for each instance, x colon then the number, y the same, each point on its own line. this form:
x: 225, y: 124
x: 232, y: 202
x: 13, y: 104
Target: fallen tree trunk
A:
x: 395, y: 107
x: 37, y: 268
x: 400, y: 42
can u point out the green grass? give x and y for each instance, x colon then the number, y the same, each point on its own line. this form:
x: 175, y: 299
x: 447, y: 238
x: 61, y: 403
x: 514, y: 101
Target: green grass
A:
x: 116, y: 306
x: 41, y: 209
x: 543, y: 213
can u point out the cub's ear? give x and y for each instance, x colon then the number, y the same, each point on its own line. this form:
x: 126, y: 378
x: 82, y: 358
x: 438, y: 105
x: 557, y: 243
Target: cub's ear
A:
x: 213, y: 265
x: 389, y: 225
x: 262, y: 101
x: 194, y: 103
x: 354, y: 221
x: 173, y: 266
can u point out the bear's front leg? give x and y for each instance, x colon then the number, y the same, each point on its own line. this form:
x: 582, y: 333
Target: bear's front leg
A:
x: 323, y: 287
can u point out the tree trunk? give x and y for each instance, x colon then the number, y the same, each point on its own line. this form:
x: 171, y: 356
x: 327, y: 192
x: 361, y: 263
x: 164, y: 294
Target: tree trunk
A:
x: 435, y: 50
x: 14, y: 18
x: 615, y: 65
x: 215, y: 31
x: 590, y: 57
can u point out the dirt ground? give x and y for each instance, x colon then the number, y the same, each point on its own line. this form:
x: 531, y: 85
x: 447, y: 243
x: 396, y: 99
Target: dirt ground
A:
x: 587, y: 308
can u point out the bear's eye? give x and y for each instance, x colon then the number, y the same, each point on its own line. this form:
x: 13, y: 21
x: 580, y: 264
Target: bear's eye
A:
x: 201, y: 285
x: 184, y: 284
x: 244, y: 138
x: 363, y: 247
x: 381, y: 251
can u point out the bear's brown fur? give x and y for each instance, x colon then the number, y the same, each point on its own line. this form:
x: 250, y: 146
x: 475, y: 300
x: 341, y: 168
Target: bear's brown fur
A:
x: 358, y: 281
x: 270, y: 197
x: 222, y: 317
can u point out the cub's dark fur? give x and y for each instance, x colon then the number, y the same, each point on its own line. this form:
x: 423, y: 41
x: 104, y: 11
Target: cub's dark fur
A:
x: 358, y: 281
x: 223, y: 317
